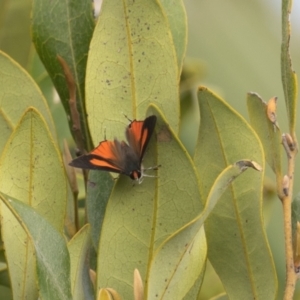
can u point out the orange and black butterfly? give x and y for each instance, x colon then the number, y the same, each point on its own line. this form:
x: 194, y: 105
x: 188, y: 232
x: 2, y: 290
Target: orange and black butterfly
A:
x: 120, y: 157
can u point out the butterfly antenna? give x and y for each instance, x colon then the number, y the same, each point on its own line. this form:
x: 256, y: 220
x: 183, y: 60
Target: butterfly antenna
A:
x: 105, y: 133
x: 127, y: 118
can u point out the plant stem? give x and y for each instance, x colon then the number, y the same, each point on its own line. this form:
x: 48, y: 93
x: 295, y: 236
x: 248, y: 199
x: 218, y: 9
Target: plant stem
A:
x: 291, y: 276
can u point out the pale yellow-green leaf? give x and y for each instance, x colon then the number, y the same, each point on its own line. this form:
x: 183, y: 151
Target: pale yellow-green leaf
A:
x: 139, y: 218
x: 288, y: 76
x: 269, y: 134
x: 195, y: 289
x: 179, y: 262
x: 31, y: 170
x: 18, y: 91
x: 235, y: 232
x: 79, y: 248
x: 132, y: 62
x: 50, y: 253
x: 19, y: 255
x: 176, y: 15
x: 27, y: 167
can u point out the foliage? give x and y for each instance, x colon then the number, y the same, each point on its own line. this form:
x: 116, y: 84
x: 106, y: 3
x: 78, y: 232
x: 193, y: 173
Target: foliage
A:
x: 147, y: 241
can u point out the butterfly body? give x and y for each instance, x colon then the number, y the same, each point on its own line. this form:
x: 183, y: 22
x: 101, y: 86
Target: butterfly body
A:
x: 118, y: 156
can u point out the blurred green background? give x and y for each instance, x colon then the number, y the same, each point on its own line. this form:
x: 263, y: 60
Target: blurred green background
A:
x: 237, y: 44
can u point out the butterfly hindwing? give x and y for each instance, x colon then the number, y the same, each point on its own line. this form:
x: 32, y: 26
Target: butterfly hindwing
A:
x: 119, y: 157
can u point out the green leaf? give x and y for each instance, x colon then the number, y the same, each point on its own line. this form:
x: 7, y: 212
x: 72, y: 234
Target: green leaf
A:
x: 270, y: 136
x: 51, y: 253
x: 42, y: 78
x: 235, y: 231
x: 139, y: 218
x: 79, y: 248
x: 27, y: 165
x: 178, y: 264
x: 19, y: 255
x: 17, y: 92
x: 132, y: 63
x: 288, y: 76
x: 193, y: 293
x: 99, y: 188
x: 64, y: 28
x: 183, y: 254
x: 176, y: 15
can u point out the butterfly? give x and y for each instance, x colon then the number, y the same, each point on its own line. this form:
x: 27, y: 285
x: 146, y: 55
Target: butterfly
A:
x: 121, y: 157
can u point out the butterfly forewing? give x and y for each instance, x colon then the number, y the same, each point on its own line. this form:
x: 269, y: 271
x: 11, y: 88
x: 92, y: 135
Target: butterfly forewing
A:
x: 107, y: 156
x: 138, y: 135
x: 119, y: 157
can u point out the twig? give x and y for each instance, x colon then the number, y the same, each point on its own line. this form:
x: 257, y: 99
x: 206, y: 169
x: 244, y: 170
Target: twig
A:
x: 75, y: 118
x: 291, y: 275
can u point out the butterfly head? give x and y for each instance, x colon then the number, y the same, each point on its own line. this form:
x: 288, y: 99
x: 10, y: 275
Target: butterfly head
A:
x: 136, y: 175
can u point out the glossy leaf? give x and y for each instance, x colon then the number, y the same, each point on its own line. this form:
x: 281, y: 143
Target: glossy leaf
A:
x: 270, y: 136
x: 50, y: 250
x: 27, y: 165
x: 288, y: 76
x: 64, y: 28
x: 79, y: 248
x: 132, y: 62
x: 235, y: 229
x: 17, y: 92
x: 139, y: 218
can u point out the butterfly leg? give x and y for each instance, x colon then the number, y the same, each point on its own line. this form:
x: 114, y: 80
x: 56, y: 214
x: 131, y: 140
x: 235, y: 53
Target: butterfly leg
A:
x: 152, y: 168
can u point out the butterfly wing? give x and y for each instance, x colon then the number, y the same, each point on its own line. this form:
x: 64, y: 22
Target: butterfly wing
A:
x: 138, y: 135
x: 118, y: 157
x: 108, y: 156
